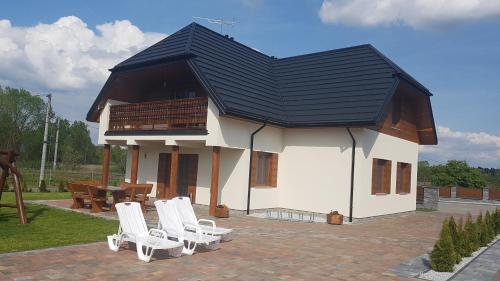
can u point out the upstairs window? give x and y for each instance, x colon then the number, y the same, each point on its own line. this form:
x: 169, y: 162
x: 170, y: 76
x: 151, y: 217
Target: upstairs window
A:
x: 403, y: 178
x: 381, y: 176
x: 264, y: 169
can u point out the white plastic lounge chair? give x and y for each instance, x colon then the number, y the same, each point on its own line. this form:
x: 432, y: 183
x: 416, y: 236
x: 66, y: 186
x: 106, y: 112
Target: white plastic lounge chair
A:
x: 188, y: 217
x: 170, y: 222
x: 133, y: 228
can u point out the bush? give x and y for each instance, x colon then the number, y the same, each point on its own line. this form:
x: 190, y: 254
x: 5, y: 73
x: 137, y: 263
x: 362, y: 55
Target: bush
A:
x: 497, y: 221
x: 482, y: 231
x: 490, y: 225
x: 43, y: 187
x: 443, y: 256
x: 471, y: 234
x: 455, y: 238
x: 61, y: 187
x: 464, y: 243
x: 25, y: 187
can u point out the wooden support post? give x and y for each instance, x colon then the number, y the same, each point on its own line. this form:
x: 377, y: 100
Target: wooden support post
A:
x: 134, y: 164
x: 214, y: 183
x: 105, y: 164
x: 174, y: 167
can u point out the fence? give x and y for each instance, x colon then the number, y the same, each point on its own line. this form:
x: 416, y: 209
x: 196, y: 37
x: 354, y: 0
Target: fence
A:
x: 445, y: 192
x: 494, y: 193
x: 470, y: 193
x: 420, y: 194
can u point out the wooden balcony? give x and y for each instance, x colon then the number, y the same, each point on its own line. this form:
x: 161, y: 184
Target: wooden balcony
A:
x: 167, y: 115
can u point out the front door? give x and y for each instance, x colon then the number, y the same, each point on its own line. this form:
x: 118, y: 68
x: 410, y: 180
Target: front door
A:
x: 186, y: 175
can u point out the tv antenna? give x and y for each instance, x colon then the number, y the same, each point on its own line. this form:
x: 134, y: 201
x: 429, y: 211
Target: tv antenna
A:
x: 220, y: 22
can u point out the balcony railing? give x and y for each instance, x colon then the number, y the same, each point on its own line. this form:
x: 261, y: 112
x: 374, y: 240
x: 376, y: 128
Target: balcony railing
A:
x: 162, y: 115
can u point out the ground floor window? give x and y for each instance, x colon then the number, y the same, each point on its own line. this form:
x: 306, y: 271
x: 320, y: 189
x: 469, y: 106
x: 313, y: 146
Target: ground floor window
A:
x: 381, y: 176
x: 264, y: 169
x: 403, y: 178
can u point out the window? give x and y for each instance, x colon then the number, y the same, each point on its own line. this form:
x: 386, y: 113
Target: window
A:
x: 403, y: 178
x: 381, y: 176
x: 396, y: 111
x: 264, y: 169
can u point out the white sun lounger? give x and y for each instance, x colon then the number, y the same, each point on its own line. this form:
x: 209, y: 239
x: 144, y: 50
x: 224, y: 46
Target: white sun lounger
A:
x: 188, y: 217
x: 133, y: 228
x: 170, y: 222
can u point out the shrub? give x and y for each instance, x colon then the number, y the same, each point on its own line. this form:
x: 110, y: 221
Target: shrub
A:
x: 443, y: 256
x: 43, y: 187
x: 482, y: 231
x: 497, y: 221
x: 464, y: 244
x: 490, y: 226
x: 25, y: 187
x: 61, y: 187
x: 455, y: 238
x: 471, y: 234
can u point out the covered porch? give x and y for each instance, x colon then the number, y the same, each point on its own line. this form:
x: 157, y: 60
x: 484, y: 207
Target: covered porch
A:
x: 188, y: 168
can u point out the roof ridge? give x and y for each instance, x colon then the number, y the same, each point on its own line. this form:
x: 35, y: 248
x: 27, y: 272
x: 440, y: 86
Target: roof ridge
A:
x: 231, y: 40
x: 324, y: 52
x: 190, y: 38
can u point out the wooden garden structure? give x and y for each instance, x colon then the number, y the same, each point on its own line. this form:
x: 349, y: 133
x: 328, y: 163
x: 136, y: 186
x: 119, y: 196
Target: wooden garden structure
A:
x: 8, y: 167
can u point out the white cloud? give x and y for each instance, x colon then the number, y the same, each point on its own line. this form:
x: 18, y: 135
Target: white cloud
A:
x: 414, y: 13
x: 66, y: 55
x: 67, y: 58
x: 479, y: 149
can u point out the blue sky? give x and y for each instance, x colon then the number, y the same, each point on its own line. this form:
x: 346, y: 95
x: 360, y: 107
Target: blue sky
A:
x: 458, y: 58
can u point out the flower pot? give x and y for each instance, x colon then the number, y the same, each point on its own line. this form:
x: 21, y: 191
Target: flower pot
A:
x: 336, y: 219
x: 222, y: 211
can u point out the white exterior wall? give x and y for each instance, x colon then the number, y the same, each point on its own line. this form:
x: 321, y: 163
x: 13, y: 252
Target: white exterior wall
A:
x: 314, y: 165
x: 371, y: 145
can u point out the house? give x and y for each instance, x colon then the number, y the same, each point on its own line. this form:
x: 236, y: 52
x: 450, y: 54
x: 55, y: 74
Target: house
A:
x: 207, y: 117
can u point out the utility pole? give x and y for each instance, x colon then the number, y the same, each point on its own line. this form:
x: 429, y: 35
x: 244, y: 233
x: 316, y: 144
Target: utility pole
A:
x: 45, y: 136
x: 55, y: 148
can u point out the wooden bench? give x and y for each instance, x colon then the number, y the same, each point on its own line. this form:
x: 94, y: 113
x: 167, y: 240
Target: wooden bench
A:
x: 79, y: 193
x: 137, y: 193
x: 98, y: 198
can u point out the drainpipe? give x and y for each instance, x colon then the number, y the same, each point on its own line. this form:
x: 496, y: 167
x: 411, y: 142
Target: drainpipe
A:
x: 352, y: 172
x: 250, y: 166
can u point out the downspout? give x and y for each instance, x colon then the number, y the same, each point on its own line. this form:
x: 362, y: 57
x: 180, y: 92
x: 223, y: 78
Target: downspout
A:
x: 250, y: 166
x: 352, y: 172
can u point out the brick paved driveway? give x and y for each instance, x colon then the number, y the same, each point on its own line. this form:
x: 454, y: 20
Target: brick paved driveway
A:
x: 261, y: 250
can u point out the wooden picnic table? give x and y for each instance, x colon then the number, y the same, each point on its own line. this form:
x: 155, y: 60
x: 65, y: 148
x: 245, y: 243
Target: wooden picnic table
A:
x: 116, y: 191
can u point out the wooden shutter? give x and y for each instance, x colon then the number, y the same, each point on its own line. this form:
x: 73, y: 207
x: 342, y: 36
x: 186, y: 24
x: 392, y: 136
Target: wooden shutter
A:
x: 253, y: 180
x: 386, y: 179
x: 274, y: 170
x: 407, y: 178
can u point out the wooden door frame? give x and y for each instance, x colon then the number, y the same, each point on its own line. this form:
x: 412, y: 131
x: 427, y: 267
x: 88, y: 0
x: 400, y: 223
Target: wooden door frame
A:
x: 164, y: 175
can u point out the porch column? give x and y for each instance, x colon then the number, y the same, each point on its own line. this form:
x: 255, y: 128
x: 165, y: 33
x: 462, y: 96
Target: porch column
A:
x: 134, y: 165
x: 174, y: 165
x: 214, y: 184
x: 105, y: 164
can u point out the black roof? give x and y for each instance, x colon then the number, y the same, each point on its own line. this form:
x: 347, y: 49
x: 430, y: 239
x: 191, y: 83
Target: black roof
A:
x: 342, y: 87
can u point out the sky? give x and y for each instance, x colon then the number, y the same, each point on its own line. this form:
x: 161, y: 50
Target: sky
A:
x: 450, y: 46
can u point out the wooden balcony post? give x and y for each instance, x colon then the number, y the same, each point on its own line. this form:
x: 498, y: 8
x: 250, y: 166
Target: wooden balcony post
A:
x: 105, y: 164
x: 214, y: 184
x: 174, y: 165
x: 134, y: 166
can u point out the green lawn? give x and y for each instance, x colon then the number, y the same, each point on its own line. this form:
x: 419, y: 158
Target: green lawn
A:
x: 49, y: 227
x: 10, y: 197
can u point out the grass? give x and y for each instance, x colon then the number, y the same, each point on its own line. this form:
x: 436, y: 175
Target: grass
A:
x: 10, y: 196
x: 49, y: 227
x: 425, y: 210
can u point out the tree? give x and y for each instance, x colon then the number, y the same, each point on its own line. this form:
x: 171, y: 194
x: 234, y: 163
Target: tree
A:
x: 456, y: 238
x: 424, y: 171
x: 457, y: 173
x: 465, y: 247
x: 443, y: 256
x: 471, y: 234
x: 482, y: 231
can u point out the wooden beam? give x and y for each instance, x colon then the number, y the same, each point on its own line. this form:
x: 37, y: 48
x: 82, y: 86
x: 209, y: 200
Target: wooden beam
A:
x: 134, y: 164
x: 174, y: 166
x: 214, y: 184
x: 105, y: 164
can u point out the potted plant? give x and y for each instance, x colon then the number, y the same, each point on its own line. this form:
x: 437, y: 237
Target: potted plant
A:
x: 334, y: 218
x: 221, y: 211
